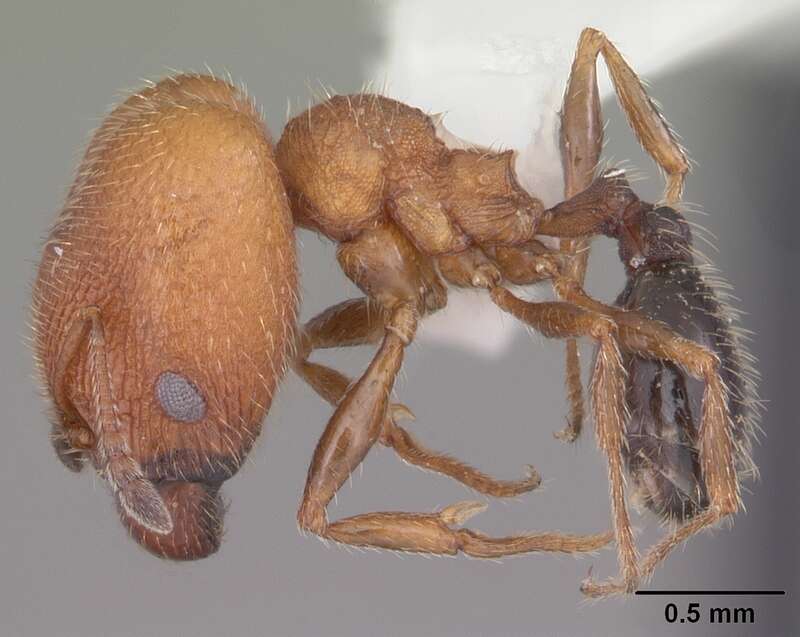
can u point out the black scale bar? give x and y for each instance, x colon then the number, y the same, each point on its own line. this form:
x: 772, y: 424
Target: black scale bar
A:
x: 664, y: 592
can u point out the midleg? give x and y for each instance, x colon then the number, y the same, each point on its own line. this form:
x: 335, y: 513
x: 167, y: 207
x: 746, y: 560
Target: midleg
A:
x: 525, y: 264
x: 564, y: 320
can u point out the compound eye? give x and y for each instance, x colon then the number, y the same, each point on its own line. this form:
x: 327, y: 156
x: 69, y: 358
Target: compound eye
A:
x: 180, y: 398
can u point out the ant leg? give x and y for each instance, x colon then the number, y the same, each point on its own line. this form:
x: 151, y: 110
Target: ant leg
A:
x: 597, y: 209
x: 137, y: 496
x: 433, y: 533
x: 531, y: 263
x: 564, y: 320
x: 471, y: 268
x: 652, y: 339
x: 387, y: 267
x: 410, y: 450
x: 581, y: 141
x: 484, y: 267
x: 356, y: 423
x: 362, y: 321
x: 581, y: 124
x: 349, y: 323
x: 332, y: 385
x: 525, y: 264
x: 352, y: 430
x: 574, y: 427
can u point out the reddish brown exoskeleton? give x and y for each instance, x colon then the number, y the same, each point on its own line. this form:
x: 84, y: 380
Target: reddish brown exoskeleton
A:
x: 166, y: 301
x: 165, y: 306
x: 676, y: 462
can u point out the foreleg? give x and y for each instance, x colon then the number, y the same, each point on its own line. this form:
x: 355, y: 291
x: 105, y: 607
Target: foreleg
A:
x: 384, y: 264
x: 332, y: 386
x: 353, y: 429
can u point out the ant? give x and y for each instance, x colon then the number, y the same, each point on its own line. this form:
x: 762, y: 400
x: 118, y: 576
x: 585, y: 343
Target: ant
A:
x: 166, y: 310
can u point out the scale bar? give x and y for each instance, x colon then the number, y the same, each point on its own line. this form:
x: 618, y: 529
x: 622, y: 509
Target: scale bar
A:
x: 666, y: 592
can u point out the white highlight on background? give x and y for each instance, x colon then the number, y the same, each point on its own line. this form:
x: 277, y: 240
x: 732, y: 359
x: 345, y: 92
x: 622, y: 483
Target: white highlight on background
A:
x: 497, y: 71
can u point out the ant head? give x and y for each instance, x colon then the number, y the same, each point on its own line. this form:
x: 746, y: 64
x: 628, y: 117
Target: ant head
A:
x: 653, y: 235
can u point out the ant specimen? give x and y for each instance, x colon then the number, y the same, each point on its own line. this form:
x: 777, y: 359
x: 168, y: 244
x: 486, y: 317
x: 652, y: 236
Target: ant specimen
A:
x: 166, y: 304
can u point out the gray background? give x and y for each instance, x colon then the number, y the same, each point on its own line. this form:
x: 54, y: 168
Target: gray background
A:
x: 66, y: 565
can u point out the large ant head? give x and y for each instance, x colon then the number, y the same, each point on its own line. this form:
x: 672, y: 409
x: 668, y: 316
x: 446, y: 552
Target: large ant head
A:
x: 175, y: 268
x: 650, y: 235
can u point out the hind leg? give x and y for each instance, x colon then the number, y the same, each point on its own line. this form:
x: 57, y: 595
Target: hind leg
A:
x: 581, y: 141
x: 654, y: 340
x: 582, y: 125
